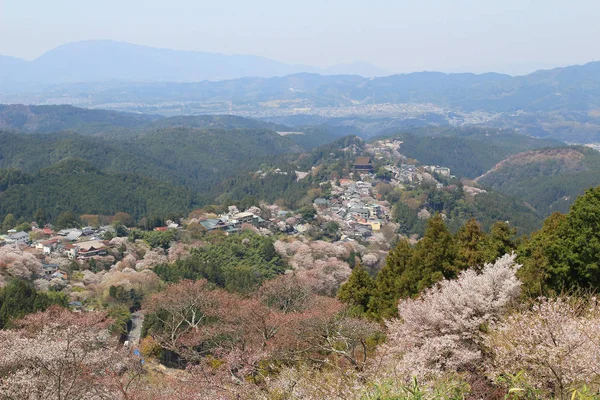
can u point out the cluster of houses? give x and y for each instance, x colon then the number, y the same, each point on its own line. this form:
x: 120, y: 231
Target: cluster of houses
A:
x: 356, y: 207
x: 75, y: 244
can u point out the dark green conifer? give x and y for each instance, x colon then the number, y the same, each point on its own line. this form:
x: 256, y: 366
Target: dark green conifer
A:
x: 357, y: 291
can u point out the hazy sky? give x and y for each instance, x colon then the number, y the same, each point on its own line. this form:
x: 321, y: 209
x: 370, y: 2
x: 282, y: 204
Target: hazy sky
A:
x: 513, y: 36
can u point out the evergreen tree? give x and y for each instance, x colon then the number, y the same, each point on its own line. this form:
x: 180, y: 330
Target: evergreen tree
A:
x: 9, y: 222
x: 357, y: 291
x: 581, y: 234
x: 538, y: 256
x: 389, y: 282
x: 19, y: 298
x: 40, y: 217
x: 500, y: 241
x: 565, y: 254
x: 434, y: 257
x: 470, y: 243
x: 67, y: 220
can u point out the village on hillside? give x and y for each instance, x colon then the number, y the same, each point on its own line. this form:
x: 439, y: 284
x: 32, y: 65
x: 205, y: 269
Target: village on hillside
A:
x: 348, y: 210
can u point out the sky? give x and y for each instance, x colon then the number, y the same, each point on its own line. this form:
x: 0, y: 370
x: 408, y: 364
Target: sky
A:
x: 509, y: 36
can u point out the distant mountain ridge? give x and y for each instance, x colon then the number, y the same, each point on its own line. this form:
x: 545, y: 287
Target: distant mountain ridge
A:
x: 574, y: 88
x: 30, y: 119
x: 105, y: 61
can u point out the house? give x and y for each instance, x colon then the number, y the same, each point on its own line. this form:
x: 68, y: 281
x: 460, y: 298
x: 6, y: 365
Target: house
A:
x: 360, y: 212
x: 60, y: 275
x: 47, y: 246
x: 374, y: 210
x: 362, y: 231
x: 91, y: 248
x: 244, y: 217
x: 18, y: 238
x: 363, y: 165
x: 212, y: 224
x: 70, y: 234
x: 49, y: 269
x: 375, y: 224
x: 321, y: 202
x: 86, y: 250
x: 444, y: 171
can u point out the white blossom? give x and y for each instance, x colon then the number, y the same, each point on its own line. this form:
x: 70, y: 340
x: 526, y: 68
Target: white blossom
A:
x: 441, y: 331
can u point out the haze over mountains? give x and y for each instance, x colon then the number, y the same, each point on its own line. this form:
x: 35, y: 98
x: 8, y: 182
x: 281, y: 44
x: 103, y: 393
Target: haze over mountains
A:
x: 105, y: 60
x: 562, y: 103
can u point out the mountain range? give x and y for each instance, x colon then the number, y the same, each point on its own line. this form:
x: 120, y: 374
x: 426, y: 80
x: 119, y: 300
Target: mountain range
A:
x: 105, y: 61
x: 561, y: 103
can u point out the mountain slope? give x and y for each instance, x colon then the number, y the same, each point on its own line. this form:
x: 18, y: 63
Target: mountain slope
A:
x: 46, y: 119
x: 198, y: 158
x: 77, y: 186
x: 549, y: 180
x: 468, y: 152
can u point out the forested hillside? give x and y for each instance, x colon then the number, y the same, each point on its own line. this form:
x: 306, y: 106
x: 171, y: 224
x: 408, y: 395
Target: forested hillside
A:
x: 549, y: 180
x: 468, y: 152
x: 47, y: 119
x: 78, y: 187
x: 214, y: 159
x: 184, y: 156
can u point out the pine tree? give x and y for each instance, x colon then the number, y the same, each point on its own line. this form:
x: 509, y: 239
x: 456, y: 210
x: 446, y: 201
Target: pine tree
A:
x: 357, y: 291
x: 388, y: 283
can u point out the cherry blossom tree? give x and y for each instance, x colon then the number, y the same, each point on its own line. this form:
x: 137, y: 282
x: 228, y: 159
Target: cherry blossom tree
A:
x: 60, y: 355
x: 16, y: 263
x: 554, y: 344
x: 441, y: 331
x: 182, y: 310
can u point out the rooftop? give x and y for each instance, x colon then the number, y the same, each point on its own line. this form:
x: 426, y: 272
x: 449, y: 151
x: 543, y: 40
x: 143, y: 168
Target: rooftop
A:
x: 363, y: 161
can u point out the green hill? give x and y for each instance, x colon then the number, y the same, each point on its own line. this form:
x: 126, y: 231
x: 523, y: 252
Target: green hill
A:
x: 549, y: 180
x: 47, y: 119
x: 77, y: 186
x: 468, y: 152
x: 198, y: 158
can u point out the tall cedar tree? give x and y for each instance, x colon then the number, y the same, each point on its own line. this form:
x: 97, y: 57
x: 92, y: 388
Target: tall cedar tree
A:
x: 470, y: 243
x: 434, y: 257
x: 357, y: 291
x: 500, y: 241
x: 389, y: 283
